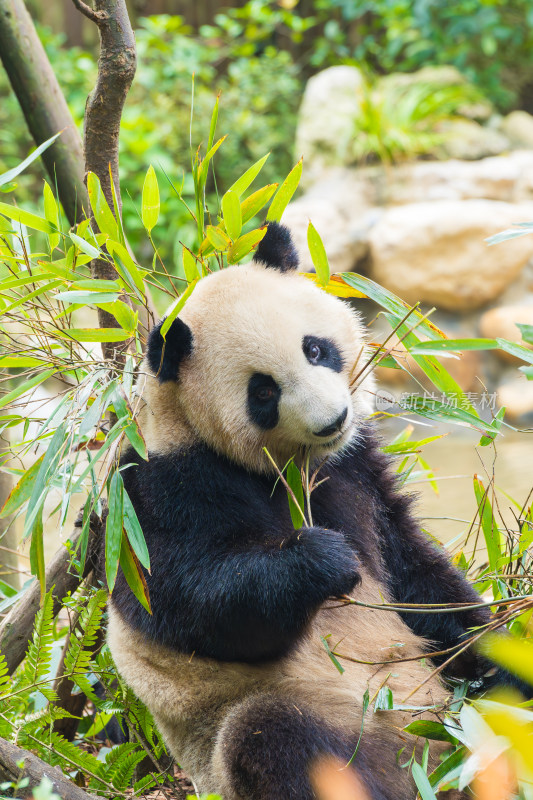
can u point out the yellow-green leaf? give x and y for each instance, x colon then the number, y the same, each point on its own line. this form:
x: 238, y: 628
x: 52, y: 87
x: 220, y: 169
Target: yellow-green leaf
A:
x: 244, y: 245
x: 335, y: 286
x: 37, y: 564
x: 150, y: 200
x: 318, y: 254
x: 294, y: 480
x: 231, y: 212
x: 102, y: 213
x: 217, y: 238
x: 26, y: 218
x: 175, y: 310
x: 242, y: 183
x: 285, y: 192
x: 22, y: 491
x: 513, y: 654
x: 129, y: 271
x: 255, y: 202
x: 94, y: 334
x: 190, y: 267
x: 51, y: 212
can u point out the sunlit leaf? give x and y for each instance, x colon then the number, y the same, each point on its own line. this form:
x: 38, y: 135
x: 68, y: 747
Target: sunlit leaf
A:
x: 22, y: 491
x: 129, y: 271
x: 336, y: 286
x: 318, y: 254
x: 242, y: 183
x: 175, y: 310
x: 150, y: 200
x: 244, y: 245
x: 255, y: 202
x: 491, y: 531
x: 51, y: 212
x: 94, y: 334
x: 102, y: 213
x: 8, y: 177
x: 190, y: 266
x: 87, y: 298
x: 285, y: 192
x: 25, y: 386
x: 231, y: 212
x: 217, y: 238
x: 32, y: 221
x: 85, y: 247
x: 515, y: 655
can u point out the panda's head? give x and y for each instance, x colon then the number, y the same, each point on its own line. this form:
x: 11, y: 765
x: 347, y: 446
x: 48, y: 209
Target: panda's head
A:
x: 259, y: 357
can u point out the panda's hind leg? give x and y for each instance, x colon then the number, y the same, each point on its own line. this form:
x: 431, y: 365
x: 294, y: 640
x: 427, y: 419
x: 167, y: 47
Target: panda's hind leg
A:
x: 267, y: 747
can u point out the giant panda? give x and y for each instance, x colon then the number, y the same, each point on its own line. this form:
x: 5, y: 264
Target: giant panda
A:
x: 234, y: 662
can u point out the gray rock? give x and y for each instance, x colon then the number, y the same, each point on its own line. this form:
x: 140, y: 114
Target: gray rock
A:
x: 518, y: 127
x: 468, y: 140
x: 435, y: 252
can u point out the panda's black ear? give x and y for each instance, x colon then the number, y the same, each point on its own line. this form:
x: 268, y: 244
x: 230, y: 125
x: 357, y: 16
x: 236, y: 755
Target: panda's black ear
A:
x: 276, y: 249
x: 164, y: 356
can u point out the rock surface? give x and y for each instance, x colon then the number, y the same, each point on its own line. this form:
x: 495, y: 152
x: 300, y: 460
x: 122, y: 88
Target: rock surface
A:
x: 326, y: 119
x: 501, y: 322
x: 467, y: 139
x: 518, y: 127
x: 517, y: 397
x: 435, y: 252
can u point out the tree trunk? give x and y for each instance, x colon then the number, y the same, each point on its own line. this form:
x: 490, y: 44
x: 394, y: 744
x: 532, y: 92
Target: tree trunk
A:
x: 43, y: 105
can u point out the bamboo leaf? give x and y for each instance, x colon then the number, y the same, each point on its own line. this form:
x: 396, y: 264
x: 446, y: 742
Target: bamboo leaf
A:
x: 513, y: 654
x: 134, y: 532
x: 136, y: 439
x: 217, y: 238
x: 22, y: 491
x: 318, y: 255
x: 133, y: 574
x: 102, y: 213
x: 11, y: 174
x: 190, y: 266
x: 242, y: 183
x: 87, y: 298
x: 422, y: 782
x: 284, y: 194
x: 129, y: 271
x: 25, y: 386
x: 113, y: 530
x: 294, y: 480
x: 231, y: 211
x: 37, y: 564
x: 51, y: 212
x: 335, y: 286
x: 94, y: 335
x: 85, y: 247
x: 255, y: 202
x: 32, y: 221
x: 244, y: 245
x: 46, y: 469
x: 491, y: 531
x: 150, y: 200
x: 202, y: 168
x: 175, y: 310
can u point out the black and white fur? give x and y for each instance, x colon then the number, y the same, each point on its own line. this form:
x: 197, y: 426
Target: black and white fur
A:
x: 232, y: 662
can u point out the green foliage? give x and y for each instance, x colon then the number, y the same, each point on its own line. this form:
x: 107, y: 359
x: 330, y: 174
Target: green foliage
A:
x: 401, y: 121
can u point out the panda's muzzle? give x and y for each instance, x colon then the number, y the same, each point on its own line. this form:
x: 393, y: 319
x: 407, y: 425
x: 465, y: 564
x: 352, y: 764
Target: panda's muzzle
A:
x: 334, y: 427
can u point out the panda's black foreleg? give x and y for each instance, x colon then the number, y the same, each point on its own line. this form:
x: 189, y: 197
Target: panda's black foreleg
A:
x: 269, y: 746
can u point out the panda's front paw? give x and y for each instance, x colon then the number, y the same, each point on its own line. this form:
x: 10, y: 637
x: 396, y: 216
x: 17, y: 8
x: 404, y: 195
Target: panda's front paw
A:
x: 334, y: 565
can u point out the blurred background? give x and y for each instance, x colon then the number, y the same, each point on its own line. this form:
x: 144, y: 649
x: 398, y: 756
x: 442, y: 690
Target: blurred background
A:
x: 415, y: 123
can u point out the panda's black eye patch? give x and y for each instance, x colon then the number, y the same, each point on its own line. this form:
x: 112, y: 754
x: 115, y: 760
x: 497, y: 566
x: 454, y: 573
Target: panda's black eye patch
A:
x: 263, y: 400
x: 322, y: 353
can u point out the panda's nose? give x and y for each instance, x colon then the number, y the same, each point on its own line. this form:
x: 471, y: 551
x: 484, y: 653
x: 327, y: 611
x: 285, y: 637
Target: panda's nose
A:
x: 329, y: 430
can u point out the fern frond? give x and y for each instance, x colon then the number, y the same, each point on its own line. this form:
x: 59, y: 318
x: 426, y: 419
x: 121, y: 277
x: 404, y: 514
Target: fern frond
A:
x: 79, y: 656
x: 120, y: 765
x: 39, y: 656
x: 5, y: 677
x: 59, y: 752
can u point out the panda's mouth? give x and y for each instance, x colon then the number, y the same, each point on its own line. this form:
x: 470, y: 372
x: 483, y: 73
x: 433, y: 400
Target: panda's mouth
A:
x: 340, y: 438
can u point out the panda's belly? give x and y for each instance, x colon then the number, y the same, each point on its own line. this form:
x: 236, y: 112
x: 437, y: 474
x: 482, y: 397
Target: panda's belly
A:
x: 190, y: 696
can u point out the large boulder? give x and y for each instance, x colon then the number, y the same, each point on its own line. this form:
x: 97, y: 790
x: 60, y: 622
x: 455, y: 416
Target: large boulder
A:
x: 501, y: 322
x: 517, y: 397
x: 518, y: 127
x: 326, y: 119
x: 467, y: 139
x: 435, y: 252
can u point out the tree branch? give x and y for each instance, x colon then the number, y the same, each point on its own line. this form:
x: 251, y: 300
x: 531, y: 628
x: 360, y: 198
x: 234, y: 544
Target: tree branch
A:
x: 17, y: 627
x: 36, y: 769
x: 44, y: 106
x: 90, y: 13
